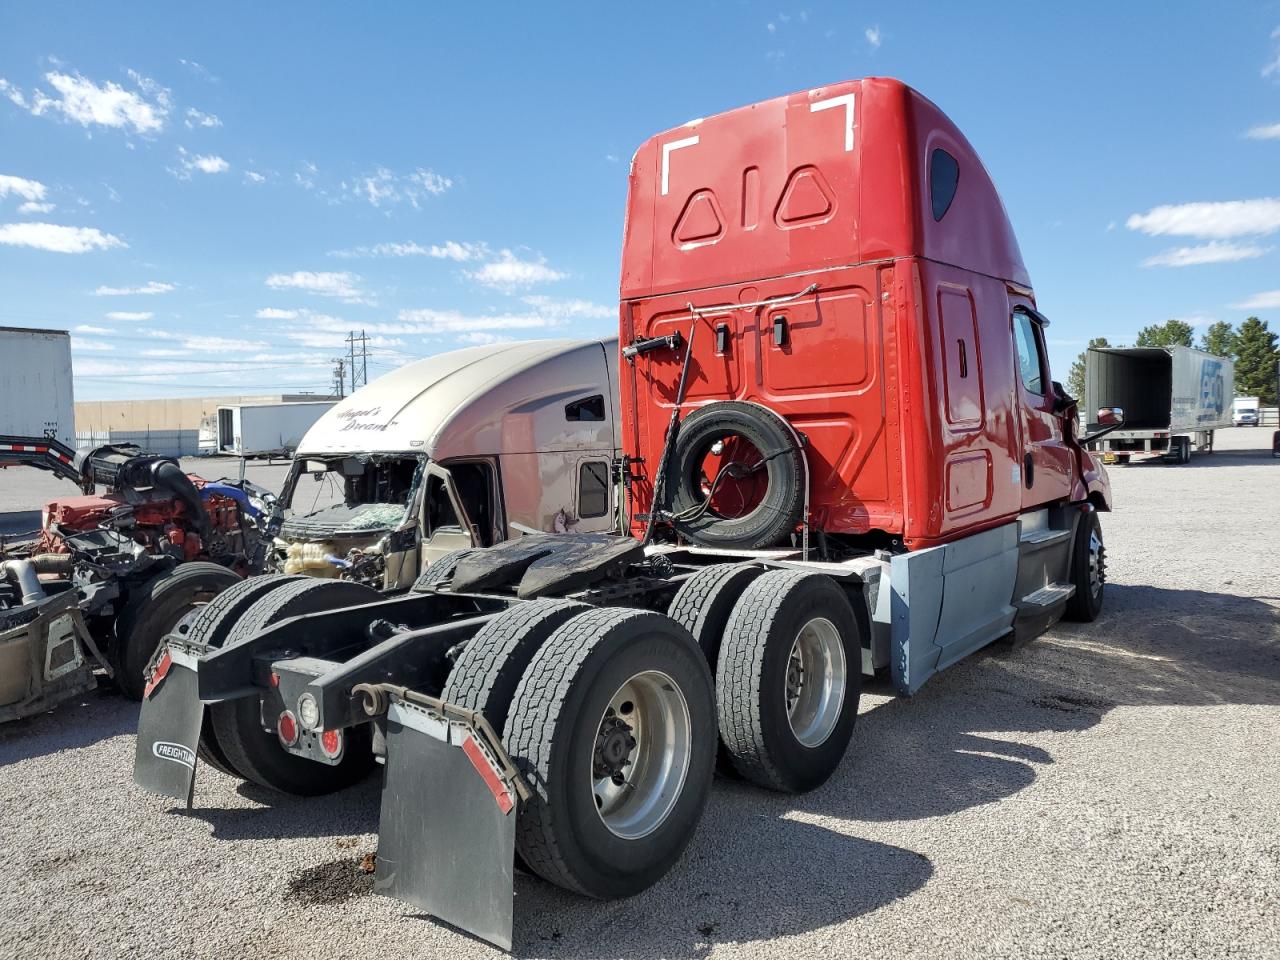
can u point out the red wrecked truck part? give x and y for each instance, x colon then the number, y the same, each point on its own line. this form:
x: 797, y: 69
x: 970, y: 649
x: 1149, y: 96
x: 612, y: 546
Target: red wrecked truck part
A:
x: 915, y: 369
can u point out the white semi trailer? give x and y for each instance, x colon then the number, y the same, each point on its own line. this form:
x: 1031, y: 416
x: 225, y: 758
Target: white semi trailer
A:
x: 266, y: 429
x: 36, y: 397
x: 1173, y: 398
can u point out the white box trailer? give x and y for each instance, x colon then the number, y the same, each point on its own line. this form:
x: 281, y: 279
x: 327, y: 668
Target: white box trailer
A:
x: 1173, y: 398
x: 266, y: 429
x: 36, y: 397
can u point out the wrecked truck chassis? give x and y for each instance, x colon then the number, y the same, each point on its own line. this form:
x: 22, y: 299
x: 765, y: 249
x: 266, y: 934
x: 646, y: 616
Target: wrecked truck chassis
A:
x: 451, y: 793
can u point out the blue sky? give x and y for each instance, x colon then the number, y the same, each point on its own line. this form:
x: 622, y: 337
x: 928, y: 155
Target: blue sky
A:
x: 212, y: 197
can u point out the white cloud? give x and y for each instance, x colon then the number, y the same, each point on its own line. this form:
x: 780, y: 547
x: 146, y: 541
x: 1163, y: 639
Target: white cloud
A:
x: 873, y: 36
x: 509, y: 272
x: 199, y: 70
x: 271, y: 313
x: 480, y: 338
x: 340, y: 285
x: 254, y: 177
x: 57, y: 238
x: 148, y: 288
x: 190, y: 163
x: 771, y: 27
x: 1266, y: 131
x: 90, y: 328
x: 21, y: 187
x: 1270, y: 300
x: 460, y: 252
x: 305, y: 177
x: 198, y: 118
x: 80, y: 100
x: 166, y: 352
x: 1272, y: 67
x: 574, y: 308
x: 384, y: 188
x: 433, y: 322
x: 78, y: 343
x: 204, y: 344
x: 32, y: 207
x: 1215, y: 251
x: 130, y: 316
x: 1211, y: 220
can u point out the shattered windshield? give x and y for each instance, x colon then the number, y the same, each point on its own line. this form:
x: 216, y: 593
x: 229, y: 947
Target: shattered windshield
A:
x: 362, y: 492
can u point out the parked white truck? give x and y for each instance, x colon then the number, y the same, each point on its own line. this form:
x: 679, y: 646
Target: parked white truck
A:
x: 463, y: 449
x: 261, y: 429
x: 35, y: 384
x: 1173, y: 398
x: 1245, y: 412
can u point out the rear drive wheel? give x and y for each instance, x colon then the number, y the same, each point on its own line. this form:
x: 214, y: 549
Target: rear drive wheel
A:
x: 211, y: 626
x: 493, y: 662
x: 164, y: 604
x: 788, y: 680
x: 702, y: 606
x: 256, y: 752
x: 613, y: 726
x: 1088, y: 570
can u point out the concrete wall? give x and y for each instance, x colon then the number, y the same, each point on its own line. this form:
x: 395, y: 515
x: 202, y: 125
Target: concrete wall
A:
x: 178, y: 413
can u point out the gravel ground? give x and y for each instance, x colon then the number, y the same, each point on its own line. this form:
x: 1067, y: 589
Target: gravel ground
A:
x: 1106, y: 791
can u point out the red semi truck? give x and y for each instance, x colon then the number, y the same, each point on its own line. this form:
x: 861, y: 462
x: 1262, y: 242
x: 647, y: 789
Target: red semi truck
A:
x: 843, y: 453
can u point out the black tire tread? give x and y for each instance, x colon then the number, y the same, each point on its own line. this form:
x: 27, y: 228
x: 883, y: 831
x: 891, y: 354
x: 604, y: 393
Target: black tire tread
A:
x: 439, y: 571
x: 490, y: 667
x: 535, y: 714
x: 739, y: 677
x: 142, y: 602
x: 700, y: 598
x: 229, y: 722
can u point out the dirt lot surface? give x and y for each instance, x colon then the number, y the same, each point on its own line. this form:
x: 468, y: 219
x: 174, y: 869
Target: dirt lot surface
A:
x: 1110, y: 790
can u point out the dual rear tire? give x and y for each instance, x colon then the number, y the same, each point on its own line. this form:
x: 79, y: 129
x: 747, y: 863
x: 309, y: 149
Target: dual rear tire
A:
x: 612, y: 714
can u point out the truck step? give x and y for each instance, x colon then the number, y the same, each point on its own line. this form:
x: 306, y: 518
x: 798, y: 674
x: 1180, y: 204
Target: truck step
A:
x: 1049, y: 595
x: 1044, y: 535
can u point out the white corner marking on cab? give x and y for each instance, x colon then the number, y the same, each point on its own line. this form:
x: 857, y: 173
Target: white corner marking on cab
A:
x: 666, y: 158
x: 846, y: 101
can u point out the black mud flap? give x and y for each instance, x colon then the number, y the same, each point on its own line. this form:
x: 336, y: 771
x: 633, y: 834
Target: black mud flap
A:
x: 446, y: 840
x: 164, y: 759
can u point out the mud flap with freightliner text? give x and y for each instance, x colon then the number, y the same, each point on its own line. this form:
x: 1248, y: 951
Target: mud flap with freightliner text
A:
x: 450, y: 797
x: 164, y: 759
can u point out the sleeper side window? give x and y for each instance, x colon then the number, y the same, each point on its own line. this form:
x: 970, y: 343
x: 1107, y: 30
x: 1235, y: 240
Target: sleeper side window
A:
x: 586, y: 410
x: 944, y: 177
x: 1028, y: 344
x: 593, y: 489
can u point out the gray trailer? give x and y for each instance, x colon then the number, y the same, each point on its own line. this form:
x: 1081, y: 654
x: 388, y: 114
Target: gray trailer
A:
x: 1173, y: 398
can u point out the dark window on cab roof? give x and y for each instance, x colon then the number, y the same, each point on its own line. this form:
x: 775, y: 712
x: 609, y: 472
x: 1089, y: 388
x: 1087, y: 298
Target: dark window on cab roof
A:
x: 944, y: 177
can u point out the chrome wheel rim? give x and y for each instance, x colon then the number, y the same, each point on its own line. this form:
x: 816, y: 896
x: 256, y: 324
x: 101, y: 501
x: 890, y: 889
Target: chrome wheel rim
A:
x: 1097, y: 564
x: 815, y: 681
x: 640, y: 755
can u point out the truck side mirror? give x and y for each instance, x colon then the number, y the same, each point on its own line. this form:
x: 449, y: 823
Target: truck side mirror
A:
x: 1108, y: 416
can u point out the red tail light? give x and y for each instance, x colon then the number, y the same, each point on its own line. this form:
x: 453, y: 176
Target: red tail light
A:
x: 331, y: 743
x: 287, y: 729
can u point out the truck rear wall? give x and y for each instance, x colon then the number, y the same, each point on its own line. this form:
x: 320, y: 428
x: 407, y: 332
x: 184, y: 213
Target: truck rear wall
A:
x: 35, y: 384
x: 280, y: 426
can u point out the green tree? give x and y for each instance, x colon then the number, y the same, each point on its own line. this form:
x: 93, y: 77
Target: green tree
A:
x: 1219, y: 339
x: 1075, y: 376
x: 1171, y: 333
x: 1256, y: 359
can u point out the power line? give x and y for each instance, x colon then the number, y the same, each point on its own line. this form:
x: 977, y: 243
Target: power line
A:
x: 352, y: 340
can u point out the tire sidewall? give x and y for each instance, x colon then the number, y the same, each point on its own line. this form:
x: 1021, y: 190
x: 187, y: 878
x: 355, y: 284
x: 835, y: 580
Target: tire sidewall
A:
x: 594, y: 852
x: 162, y: 604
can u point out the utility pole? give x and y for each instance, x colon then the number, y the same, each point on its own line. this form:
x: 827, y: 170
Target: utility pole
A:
x: 352, y: 340
x: 339, y: 376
